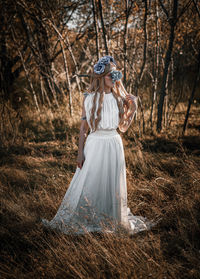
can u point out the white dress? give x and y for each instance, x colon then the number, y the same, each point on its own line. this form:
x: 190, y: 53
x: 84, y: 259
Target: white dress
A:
x: 96, y: 199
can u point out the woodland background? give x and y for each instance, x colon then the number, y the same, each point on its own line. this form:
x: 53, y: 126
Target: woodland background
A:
x: 47, y: 49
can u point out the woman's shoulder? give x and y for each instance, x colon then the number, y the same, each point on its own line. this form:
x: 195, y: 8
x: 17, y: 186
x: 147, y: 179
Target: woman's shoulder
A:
x: 88, y: 94
x: 85, y: 94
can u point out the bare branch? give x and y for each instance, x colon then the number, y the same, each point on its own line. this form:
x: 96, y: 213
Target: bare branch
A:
x: 164, y: 9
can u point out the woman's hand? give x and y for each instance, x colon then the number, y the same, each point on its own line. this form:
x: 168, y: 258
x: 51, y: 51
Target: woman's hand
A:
x: 131, y: 102
x: 80, y: 160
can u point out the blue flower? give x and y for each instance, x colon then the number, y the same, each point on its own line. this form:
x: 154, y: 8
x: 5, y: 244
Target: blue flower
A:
x: 115, y: 75
x: 106, y: 60
x: 112, y: 59
x: 99, y: 68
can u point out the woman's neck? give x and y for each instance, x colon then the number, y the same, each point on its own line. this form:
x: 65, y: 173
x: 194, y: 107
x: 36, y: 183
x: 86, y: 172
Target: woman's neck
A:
x: 107, y: 89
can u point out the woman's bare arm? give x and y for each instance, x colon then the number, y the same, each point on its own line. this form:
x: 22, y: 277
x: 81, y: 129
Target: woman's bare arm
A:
x: 130, y: 108
x: 82, y: 136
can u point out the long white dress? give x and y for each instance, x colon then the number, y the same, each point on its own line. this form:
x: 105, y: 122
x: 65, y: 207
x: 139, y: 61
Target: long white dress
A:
x: 96, y: 199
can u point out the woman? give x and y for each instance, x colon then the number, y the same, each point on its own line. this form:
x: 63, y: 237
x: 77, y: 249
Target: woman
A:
x: 96, y: 200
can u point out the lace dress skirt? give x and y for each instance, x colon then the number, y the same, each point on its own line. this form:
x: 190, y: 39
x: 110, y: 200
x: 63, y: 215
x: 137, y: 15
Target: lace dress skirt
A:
x: 96, y: 199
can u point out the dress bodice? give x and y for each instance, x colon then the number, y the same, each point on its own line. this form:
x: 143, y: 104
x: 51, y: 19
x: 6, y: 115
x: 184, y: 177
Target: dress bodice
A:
x: 109, y: 113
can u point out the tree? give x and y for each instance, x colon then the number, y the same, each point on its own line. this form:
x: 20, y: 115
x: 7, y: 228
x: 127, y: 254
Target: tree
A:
x: 172, y: 19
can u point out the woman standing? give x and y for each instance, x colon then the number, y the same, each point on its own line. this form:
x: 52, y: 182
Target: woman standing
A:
x: 96, y: 200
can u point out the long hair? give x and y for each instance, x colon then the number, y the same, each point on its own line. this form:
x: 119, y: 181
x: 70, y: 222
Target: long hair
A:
x: 97, y: 84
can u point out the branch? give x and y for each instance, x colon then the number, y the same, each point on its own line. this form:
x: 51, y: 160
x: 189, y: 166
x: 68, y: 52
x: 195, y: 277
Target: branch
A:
x: 83, y: 75
x: 197, y: 8
x: 164, y: 9
x: 183, y: 10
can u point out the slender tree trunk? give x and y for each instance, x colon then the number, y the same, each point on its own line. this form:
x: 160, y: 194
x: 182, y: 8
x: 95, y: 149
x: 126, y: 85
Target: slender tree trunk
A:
x: 176, y: 102
x: 30, y: 82
x: 109, y: 30
x: 75, y: 63
x: 139, y: 78
x: 156, y: 67
x: 142, y: 113
x: 166, y: 67
x: 6, y: 73
x: 144, y: 61
x: 166, y: 100
x: 125, y: 39
x: 169, y: 93
x: 131, y: 83
x: 145, y: 41
x: 95, y: 28
x: 195, y: 2
x: 67, y: 43
x: 43, y: 92
x: 128, y: 10
x: 67, y: 78
x: 103, y: 27
x: 192, y: 95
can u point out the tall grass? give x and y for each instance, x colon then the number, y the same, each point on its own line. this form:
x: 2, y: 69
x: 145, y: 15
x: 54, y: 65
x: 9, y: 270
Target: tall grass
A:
x: 163, y: 180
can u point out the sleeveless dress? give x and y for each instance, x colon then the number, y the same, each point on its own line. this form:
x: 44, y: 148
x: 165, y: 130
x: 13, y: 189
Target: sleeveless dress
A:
x: 96, y: 199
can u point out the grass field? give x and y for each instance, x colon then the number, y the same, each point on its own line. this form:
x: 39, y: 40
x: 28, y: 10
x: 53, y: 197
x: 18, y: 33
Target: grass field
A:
x: 163, y: 181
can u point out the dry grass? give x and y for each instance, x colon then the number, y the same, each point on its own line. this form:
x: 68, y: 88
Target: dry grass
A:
x: 163, y: 175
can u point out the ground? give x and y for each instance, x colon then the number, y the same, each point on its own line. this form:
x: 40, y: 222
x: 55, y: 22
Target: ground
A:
x: 163, y: 179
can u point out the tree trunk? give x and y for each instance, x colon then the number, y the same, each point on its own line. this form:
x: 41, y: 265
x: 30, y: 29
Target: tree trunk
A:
x: 44, y: 93
x: 67, y: 78
x: 192, y: 95
x: 7, y: 76
x: 95, y: 28
x: 156, y: 67
x: 166, y: 67
x: 75, y: 63
x: 166, y: 100
x: 125, y: 40
x: 139, y: 78
x: 145, y: 41
x: 103, y: 27
x: 30, y: 82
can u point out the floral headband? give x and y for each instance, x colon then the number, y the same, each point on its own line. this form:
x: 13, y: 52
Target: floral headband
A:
x: 99, y: 67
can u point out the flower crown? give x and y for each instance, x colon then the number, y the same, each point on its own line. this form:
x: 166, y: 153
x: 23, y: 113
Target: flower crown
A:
x: 99, y: 67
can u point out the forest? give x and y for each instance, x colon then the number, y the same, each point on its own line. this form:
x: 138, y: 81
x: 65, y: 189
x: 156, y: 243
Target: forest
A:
x: 47, y: 52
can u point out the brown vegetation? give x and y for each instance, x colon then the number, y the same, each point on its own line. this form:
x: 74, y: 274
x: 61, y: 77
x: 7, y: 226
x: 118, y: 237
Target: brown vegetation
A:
x: 45, y: 48
x: 163, y: 176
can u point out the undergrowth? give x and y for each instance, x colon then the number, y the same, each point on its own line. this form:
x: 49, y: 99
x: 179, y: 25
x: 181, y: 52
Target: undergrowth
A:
x: 163, y: 181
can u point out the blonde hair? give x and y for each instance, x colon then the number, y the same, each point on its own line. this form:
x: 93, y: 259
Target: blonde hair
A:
x: 97, y: 84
